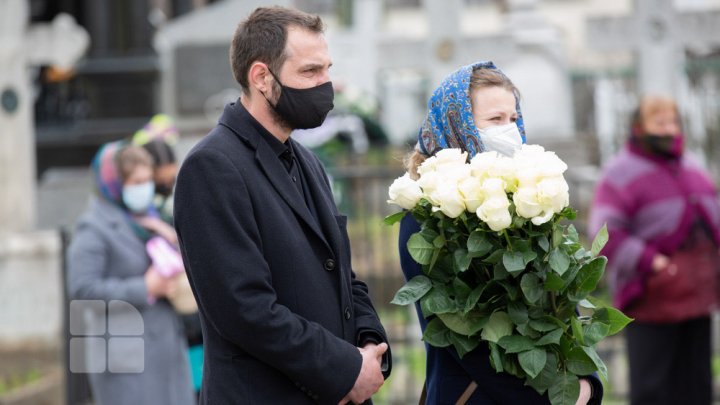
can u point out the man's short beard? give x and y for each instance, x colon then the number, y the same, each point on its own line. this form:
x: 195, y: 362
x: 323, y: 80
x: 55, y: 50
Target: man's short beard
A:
x: 277, y: 119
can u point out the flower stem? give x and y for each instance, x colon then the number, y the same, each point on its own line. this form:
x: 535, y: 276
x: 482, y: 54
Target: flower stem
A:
x: 553, y: 303
x: 507, y: 238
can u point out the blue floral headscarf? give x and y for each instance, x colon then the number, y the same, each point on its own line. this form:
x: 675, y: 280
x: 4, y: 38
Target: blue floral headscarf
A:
x: 450, y: 122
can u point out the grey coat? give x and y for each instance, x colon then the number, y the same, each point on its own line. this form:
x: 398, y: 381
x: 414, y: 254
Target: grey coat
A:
x: 139, y: 356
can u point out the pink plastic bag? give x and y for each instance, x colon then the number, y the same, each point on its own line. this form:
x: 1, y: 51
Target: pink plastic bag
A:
x: 165, y: 258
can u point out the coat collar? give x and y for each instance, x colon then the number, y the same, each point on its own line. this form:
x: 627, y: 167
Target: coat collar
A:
x: 237, y: 119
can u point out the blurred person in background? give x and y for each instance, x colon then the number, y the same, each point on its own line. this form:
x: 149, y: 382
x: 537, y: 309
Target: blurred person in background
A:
x: 109, y: 259
x: 477, y: 109
x: 158, y: 137
x: 663, y: 216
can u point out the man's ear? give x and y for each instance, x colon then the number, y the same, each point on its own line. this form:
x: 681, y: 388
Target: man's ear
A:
x: 259, y: 77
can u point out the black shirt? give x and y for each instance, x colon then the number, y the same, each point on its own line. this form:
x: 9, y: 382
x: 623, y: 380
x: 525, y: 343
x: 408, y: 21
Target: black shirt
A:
x: 288, y: 158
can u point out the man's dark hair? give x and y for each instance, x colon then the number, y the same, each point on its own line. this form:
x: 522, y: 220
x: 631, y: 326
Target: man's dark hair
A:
x: 262, y: 37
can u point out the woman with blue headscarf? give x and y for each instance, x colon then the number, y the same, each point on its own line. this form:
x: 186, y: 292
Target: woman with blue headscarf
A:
x: 476, y: 109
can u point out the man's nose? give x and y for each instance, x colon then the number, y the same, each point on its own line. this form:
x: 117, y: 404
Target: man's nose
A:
x: 324, y: 77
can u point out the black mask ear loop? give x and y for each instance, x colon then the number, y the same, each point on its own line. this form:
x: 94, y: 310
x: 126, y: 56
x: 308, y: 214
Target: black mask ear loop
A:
x: 278, y: 82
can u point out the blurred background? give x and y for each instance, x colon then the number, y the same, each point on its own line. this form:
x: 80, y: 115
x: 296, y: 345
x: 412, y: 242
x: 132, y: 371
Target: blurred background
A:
x: 75, y: 74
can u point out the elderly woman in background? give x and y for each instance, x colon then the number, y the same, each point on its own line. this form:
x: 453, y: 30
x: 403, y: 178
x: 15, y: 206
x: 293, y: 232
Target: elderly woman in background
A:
x: 144, y: 360
x: 662, y: 213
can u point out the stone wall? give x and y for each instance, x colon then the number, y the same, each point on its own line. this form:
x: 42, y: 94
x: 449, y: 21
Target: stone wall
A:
x: 30, y: 289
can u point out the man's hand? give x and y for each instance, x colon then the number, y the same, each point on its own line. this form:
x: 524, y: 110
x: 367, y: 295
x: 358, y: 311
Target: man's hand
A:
x: 585, y: 392
x: 370, y: 379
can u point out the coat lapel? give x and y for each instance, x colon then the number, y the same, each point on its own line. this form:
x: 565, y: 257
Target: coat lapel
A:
x: 240, y: 122
x: 278, y: 176
x: 322, y: 198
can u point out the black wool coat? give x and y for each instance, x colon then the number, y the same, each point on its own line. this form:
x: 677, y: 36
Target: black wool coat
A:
x: 281, y: 309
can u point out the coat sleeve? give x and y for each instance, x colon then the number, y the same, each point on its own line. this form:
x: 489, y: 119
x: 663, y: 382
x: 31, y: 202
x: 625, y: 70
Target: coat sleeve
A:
x: 223, y: 254
x: 87, y: 280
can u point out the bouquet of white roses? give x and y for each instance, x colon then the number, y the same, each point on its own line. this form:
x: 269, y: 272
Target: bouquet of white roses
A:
x: 500, y: 266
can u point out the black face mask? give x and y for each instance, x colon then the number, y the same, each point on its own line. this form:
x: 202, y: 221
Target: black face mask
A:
x: 163, y: 189
x: 670, y: 147
x: 304, y: 108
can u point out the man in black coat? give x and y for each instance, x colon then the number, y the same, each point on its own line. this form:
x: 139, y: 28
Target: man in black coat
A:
x: 284, y: 318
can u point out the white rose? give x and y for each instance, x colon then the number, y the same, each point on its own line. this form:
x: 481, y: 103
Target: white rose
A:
x: 553, y: 193
x: 526, y: 202
x: 495, y: 213
x: 455, y: 173
x: 449, y: 200
x: 494, y: 188
x: 429, y: 183
x: 427, y: 166
x: 483, y: 164
x: 405, y: 192
x: 452, y: 156
x: 471, y: 190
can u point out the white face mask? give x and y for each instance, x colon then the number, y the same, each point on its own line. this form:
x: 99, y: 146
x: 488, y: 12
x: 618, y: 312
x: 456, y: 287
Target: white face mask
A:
x: 503, y: 139
x: 138, y: 197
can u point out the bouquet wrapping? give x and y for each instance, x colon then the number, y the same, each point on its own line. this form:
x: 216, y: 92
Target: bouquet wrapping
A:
x: 501, y: 266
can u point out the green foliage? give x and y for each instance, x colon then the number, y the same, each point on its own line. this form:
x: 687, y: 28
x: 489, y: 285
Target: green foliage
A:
x: 518, y: 290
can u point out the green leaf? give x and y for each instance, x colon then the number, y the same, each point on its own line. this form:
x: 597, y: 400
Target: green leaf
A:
x: 516, y: 343
x: 595, y: 332
x: 495, y: 257
x: 579, y: 363
x: 439, y: 241
x: 499, y: 272
x: 495, y: 358
x: 461, y: 290
x: 544, y: 243
x: 526, y: 330
x: 542, y: 325
x: 478, y: 244
x: 437, y: 334
x: 547, y: 376
x: 559, y: 261
x: 611, y: 316
x: 466, y: 325
x: 394, y: 218
x: 473, y: 298
x: 464, y: 344
x: 436, y: 302
x: 512, y: 367
x: 600, y: 240
x: 531, y: 287
x: 513, y: 262
x: 553, y: 337
x: 498, y: 325
x: 565, y: 390
x: 529, y: 256
x: 533, y: 361
x: 577, y: 330
x: 590, y: 274
x: 554, y: 282
x: 517, y: 311
x: 420, y: 249
x: 572, y: 234
x: 601, y: 368
x: 415, y: 289
x: 462, y: 260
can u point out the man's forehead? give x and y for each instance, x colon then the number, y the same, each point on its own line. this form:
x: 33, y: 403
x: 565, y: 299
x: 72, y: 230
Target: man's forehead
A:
x: 305, y: 47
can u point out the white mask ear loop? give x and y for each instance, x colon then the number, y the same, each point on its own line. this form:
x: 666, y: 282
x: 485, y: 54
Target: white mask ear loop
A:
x: 503, y: 139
